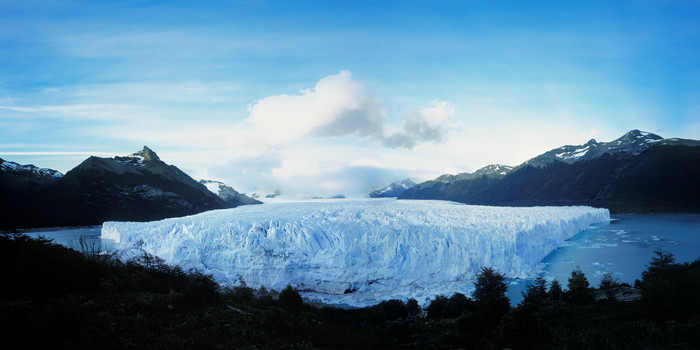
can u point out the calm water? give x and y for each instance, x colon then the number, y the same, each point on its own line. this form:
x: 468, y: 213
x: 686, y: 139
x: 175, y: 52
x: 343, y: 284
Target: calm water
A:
x: 621, y: 247
x: 69, y: 236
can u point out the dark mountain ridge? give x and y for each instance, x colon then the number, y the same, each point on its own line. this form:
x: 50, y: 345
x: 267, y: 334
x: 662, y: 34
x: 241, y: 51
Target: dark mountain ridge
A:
x: 638, y: 172
x: 138, y: 187
x: 17, y: 177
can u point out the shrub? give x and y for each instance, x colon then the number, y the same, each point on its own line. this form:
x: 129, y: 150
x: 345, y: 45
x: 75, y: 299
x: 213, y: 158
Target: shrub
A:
x: 241, y: 293
x: 290, y: 299
x: 413, y: 307
x: 609, y: 285
x: 39, y: 268
x: 394, y: 309
x: 456, y: 305
x: 201, y: 289
x: 437, y: 306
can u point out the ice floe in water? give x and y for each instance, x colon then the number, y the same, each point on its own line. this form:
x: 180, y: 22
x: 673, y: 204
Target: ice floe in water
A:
x: 358, y: 252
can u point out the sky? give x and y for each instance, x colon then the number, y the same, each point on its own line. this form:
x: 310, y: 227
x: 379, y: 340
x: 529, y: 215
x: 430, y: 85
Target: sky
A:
x: 319, y: 98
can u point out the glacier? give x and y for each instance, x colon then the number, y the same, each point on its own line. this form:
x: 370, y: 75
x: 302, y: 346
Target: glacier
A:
x: 358, y: 252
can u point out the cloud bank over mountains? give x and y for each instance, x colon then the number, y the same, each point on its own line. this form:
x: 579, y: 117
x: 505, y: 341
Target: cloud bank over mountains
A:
x: 294, y: 136
x: 330, y: 136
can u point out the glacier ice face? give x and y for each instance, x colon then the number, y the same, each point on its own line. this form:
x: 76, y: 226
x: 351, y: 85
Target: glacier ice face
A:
x: 358, y: 252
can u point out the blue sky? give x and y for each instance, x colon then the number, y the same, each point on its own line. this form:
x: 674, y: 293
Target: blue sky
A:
x: 331, y: 97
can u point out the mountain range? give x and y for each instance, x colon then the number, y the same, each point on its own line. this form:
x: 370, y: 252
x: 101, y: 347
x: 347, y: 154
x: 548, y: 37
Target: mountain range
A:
x: 137, y: 187
x: 393, y: 190
x: 638, y: 172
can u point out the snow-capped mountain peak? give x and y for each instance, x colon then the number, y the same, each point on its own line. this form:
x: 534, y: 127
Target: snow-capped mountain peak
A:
x: 138, y: 158
x: 632, y: 143
x: 636, y: 134
x: 494, y: 170
x: 147, y: 154
x: 213, y: 186
x: 637, y: 172
x: 7, y: 166
x: 407, y: 183
x: 227, y: 193
x: 393, y: 190
x: 574, y: 153
x: 490, y: 171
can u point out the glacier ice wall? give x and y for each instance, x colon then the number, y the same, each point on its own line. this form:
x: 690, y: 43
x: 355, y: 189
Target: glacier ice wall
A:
x: 358, y: 252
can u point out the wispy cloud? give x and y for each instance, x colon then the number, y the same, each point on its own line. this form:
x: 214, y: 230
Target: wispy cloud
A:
x: 90, y: 111
x: 58, y: 153
x: 426, y: 126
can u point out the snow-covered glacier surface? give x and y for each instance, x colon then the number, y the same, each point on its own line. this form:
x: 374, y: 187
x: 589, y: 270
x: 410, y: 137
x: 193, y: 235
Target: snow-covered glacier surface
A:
x: 358, y: 252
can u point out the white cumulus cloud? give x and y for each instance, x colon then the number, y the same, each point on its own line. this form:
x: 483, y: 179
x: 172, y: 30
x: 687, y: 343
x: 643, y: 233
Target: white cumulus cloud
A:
x: 336, y: 106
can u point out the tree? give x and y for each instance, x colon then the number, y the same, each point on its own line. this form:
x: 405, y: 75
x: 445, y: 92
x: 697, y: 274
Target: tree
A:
x: 201, y: 288
x: 609, y: 285
x: 579, y: 290
x: 290, y: 299
x: 394, y: 309
x: 555, y: 292
x: 536, y: 293
x: 659, y: 265
x: 490, y: 295
x: 663, y: 259
x: 457, y: 304
x: 663, y: 286
x: 412, y: 307
x: 437, y: 306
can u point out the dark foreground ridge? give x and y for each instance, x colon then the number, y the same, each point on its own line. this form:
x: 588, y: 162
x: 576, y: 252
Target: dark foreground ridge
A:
x: 58, y: 298
x: 638, y: 172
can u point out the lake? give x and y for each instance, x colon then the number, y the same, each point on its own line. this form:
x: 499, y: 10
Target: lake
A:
x: 622, y: 247
x: 69, y: 236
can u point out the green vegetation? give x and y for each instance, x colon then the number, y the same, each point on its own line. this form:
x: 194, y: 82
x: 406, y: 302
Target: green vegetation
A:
x: 55, y: 297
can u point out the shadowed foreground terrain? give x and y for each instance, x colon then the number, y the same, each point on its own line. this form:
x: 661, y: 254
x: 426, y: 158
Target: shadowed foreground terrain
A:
x: 55, y: 297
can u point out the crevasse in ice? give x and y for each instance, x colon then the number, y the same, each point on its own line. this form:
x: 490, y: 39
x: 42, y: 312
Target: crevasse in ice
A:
x: 358, y: 252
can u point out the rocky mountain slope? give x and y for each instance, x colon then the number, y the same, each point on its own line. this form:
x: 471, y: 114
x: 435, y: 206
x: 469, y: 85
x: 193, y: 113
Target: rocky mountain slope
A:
x: 638, y: 172
x: 393, y: 190
x: 17, y: 177
x: 230, y: 196
x: 137, y: 187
